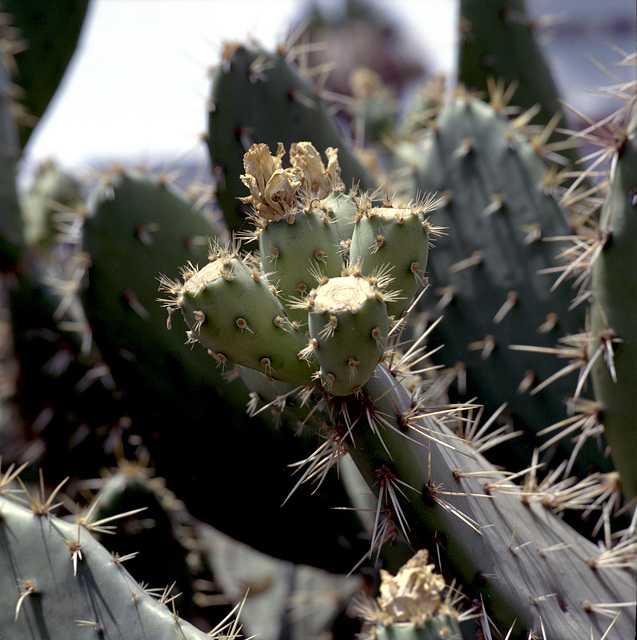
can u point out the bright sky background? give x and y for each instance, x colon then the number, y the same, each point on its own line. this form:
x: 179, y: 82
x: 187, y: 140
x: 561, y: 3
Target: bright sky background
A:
x: 138, y: 84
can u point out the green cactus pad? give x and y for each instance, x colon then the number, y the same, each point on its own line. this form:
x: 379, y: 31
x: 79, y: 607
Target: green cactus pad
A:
x: 614, y: 314
x: 502, y: 541
x: 59, y: 582
x: 138, y: 227
x: 348, y: 324
x: 394, y: 237
x: 485, y: 273
x: 232, y: 310
x: 294, y: 249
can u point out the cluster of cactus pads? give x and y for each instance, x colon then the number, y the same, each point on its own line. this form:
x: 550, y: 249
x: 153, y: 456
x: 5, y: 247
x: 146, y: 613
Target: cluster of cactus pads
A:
x: 344, y: 302
x: 333, y: 256
x: 313, y: 306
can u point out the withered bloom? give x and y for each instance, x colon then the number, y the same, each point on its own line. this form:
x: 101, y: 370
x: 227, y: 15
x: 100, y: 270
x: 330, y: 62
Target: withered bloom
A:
x: 273, y: 189
x: 317, y: 179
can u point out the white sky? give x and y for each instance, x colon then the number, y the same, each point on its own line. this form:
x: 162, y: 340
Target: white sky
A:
x: 138, y: 84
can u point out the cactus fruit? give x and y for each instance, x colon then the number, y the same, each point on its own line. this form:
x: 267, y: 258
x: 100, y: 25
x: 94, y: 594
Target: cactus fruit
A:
x: 231, y: 309
x: 260, y: 97
x: 231, y: 305
x: 342, y: 210
x: 292, y: 251
x: 292, y: 236
x: 397, y: 238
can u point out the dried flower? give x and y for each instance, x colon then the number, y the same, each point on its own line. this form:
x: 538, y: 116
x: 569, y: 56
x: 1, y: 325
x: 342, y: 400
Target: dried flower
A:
x: 273, y: 189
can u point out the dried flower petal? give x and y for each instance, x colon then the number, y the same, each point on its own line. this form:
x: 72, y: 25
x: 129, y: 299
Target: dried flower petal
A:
x: 414, y: 594
x: 273, y: 189
x: 317, y: 179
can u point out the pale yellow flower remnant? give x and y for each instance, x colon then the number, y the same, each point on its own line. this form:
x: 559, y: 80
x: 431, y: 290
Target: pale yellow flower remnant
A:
x: 273, y: 189
x: 318, y: 180
x: 414, y: 594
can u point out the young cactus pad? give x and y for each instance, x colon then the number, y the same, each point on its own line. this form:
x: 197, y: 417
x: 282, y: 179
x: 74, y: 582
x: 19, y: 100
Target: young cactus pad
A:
x: 233, y: 311
x: 348, y: 325
x: 397, y: 238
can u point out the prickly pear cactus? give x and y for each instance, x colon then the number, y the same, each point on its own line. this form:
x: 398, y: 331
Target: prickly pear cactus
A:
x: 502, y: 539
x: 232, y: 311
x: 140, y: 227
x: 155, y: 525
x: 136, y: 226
x: 261, y: 313
x: 397, y: 237
x: 415, y: 604
x: 348, y: 324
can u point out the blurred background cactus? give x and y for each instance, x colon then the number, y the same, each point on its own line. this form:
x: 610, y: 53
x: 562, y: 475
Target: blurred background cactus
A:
x: 418, y: 295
